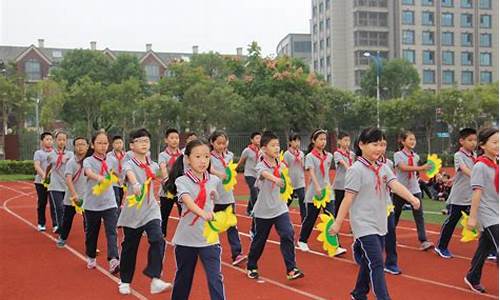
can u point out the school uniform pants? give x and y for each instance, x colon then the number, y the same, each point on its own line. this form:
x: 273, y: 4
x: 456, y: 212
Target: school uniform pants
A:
x: 43, y: 197
x: 311, y: 215
x: 57, y: 199
x: 232, y: 233
x: 367, y: 252
x: 454, y: 215
x: 488, y: 243
x: 130, y: 246
x: 418, y: 215
x: 254, y: 192
x: 391, y: 255
x: 166, y: 205
x: 263, y: 227
x: 93, y: 219
x: 69, y: 214
x: 299, y: 194
x: 339, y: 196
x: 186, y: 259
x: 118, y: 196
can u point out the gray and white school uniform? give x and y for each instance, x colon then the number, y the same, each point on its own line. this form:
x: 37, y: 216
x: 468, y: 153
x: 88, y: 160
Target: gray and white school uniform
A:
x: 41, y: 156
x: 295, y: 168
x: 91, y: 202
x: 461, y: 192
x: 57, y: 180
x: 192, y: 235
x: 114, y: 164
x: 130, y: 154
x: 340, y: 170
x: 408, y: 179
x: 134, y: 217
x: 251, y: 162
x: 269, y: 204
x: 75, y: 170
x: 483, y: 177
x: 219, y: 166
x: 368, y: 212
x: 312, y: 162
x: 164, y: 157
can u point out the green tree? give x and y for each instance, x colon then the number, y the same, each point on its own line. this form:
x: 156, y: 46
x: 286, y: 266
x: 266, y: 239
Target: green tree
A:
x: 126, y: 67
x: 79, y: 63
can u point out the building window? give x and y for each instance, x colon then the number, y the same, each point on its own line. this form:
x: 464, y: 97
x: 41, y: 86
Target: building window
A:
x: 485, y: 59
x: 427, y: 38
x: 321, y: 63
x: 485, y: 21
x: 427, y: 2
x: 447, y: 19
x: 448, y: 57
x: 485, y: 40
x: 466, y: 20
x: 485, y: 4
x: 302, y: 46
x: 328, y: 61
x: 152, y: 72
x: 315, y: 47
x: 408, y: 17
x: 448, y: 77
x: 358, y: 76
x: 321, y: 26
x: 329, y: 78
x: 32, y: 70
x: 327, y: 24
x: 466, y: 3
x: 315, y: 28
x: 447, y: 38
x: 371, y: 38
x: 409, y: 55
x: 327, y: 4
x: 429, y: 77
x: 321, y: 45
x: 467, y: 58
x: 467, y: 39
x: 316, y: 65
x: 427, y: 18
x: 447, y: 3
x: 408, y: 2
x: 328, y: 42
x: 408, y: 37
x: 486, y: 77
x: 428, y: 57
x: 321, y: 7
x: 314, y: 11
x: 467, y: 77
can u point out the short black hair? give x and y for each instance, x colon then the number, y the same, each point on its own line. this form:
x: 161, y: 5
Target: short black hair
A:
x: 61, y: 132
x: 171, y: 130
x: 368, y: 135
x: 342, y: 134
x: 466, y: 132
x: 116, y: 137
x: 294, y: 137
x: 254, y: 134
x: 44, y: 134
x: 267, y: 137
x: 142, y: 132
x: 190, y: 134
x: 80, y: 138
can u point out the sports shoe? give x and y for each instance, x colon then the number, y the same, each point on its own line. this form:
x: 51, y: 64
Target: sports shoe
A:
x: 303, y: 246
x: 294, y: 274
x: 253, y: 274
x: 91, y: 263
x: 54, y: 229
x: 239, y: 259
x: 340, y: 251
x: 60, y: 243
x: 444, y: 253
x: 491, y: 256
x: 124, y: 288
x: 426, y: 245
x: 41, y: 228
x: 114, y: 266
x: 407, y: 207
x: 478, y: 288
x: 251, y: 234
x: 159, y: 286
x: 97, y: 252
x: 394, y: 270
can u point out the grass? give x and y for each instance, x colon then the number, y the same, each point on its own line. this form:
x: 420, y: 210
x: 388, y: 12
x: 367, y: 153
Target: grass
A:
x: 15, y: 177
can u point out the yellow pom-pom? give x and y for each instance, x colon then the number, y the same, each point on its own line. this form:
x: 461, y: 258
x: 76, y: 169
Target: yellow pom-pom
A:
x: 330, y: 243
x: 390, y: 209
x: 467, y: 235
x: 320, y: 201
x: 231, y: 174
x: 436, y: 163
x: 287, y: 190
x: 223, y: 220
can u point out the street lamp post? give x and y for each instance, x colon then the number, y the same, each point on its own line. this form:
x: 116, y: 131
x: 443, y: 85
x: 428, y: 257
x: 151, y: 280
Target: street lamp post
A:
x: 378, y: 62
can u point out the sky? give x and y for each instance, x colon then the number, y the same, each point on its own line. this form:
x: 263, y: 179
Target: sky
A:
x: 170, y: 26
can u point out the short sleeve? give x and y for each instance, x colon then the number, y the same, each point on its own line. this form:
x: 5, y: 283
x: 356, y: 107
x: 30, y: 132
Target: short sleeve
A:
x: 244, y: 154
x: 260, y: 168
x: 288, y: 158
x: 219, y: 187
x: 477, y: 179
x: 37, y: 156
x: 388, y: 174
x: 352, y: 180
x: 127, y: 166
x: 155, y: 168
x: 162, y: 158
x: 337, y: 158
x: 182, y: 188
x: 309, y: 162
x: 70, y: 168
x: 87, y: 164
x: 459, y: 160
x: 399, y: 158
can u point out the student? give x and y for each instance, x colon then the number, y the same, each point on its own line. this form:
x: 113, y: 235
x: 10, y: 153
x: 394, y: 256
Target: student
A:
x: 343, y: 158
x: 219, y: 160
x: 407, y: 168
x: 41, y: 163
x: 294, y: 159
x: 190, y: 136
x: 317, y: 163
x: 116, y: 159
x: 166, y: 160
x: 484, y: 206
x: 249, y: 158
x: 196, y: 190
x: 57, y: 163
x: 461, y: 193
x: 140, y: 174
x: 76, y: 183
x: 270, y: 210
x: 100, y: 207
x: 366, y: 202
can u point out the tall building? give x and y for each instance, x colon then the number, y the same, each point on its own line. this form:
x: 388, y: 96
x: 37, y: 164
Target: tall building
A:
x: 451, y: 42
x: 296, y: 45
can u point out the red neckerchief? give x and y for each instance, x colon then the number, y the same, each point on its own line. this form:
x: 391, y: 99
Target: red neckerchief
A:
x: 60, y: 156
x: 201, y: 199
x: 410, y: 161
x: 296, y: 155
x: 104, y: 166
x: 276, y: 169
x: 147, y: 170
x: 173, y: 156
x: 220, y: 158
x: 119, y: 156
x: 492, y: 164
x: 78, y: 172
x: 345, y: 154
x: 469, y: 155
x: 255, y: 149
x: 376, y: 170
x: 321, y: 158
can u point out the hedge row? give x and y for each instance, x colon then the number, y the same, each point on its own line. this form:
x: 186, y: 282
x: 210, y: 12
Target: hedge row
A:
x: 23, y: 167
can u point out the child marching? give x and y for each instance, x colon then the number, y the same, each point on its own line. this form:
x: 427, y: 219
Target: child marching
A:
x: 294, y: 159
x: 42, y: 176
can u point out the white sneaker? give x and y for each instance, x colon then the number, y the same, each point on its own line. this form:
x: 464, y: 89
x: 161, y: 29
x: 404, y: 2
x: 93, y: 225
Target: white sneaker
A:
x: 54, y: 229
x: 340, y: 251
x: 114, y: 266
x: 303, y: 246
x: 159, y: 286
x: 41, y: 228
x: 91, y: 263
x: 124, y: 288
